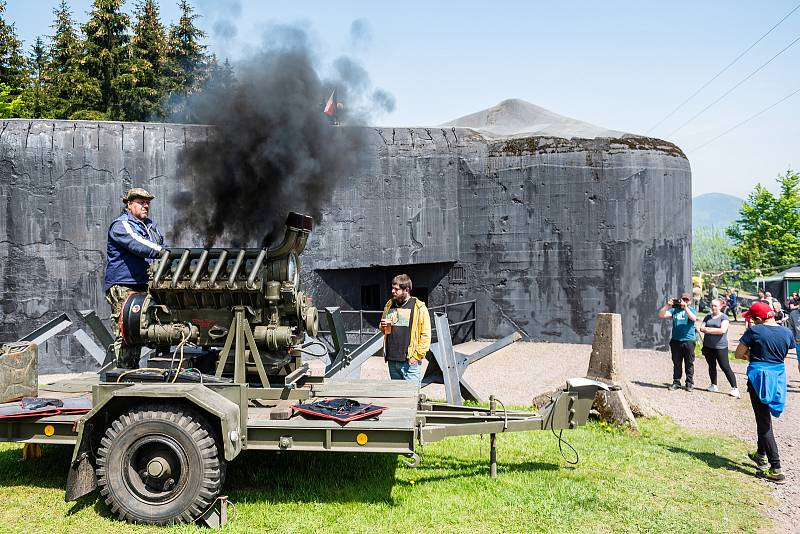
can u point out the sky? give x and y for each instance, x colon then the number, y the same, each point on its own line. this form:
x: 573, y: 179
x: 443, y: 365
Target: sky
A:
x: 621, y: 65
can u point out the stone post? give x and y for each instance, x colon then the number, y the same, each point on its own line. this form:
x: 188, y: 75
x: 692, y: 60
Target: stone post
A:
x: 605, y: 365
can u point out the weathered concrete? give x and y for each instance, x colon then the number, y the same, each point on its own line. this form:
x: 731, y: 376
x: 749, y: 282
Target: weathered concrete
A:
x: 605, y: 364
x: 548, y: 231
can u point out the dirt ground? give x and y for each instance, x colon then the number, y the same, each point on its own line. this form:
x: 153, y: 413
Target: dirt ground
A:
x: 521, y: 371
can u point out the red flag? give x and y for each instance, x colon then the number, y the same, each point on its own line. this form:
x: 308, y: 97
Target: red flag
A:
x: 330, y: 106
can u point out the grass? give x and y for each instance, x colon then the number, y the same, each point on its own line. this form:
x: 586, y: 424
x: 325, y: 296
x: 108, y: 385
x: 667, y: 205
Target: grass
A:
x: 664, y: 479
x: 698, y: 353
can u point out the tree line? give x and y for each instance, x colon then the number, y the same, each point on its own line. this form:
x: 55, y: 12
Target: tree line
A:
x: 112, y: 67
x: 765, y: 238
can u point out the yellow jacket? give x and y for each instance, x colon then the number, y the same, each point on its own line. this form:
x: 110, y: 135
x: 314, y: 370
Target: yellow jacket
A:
x: 420, y: 330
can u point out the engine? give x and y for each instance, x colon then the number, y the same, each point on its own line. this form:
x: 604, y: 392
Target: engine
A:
x: 194, y: 296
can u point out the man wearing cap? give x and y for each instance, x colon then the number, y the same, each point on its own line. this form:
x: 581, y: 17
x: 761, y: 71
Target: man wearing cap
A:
x: 765, y: 345
x: 133, y: 240
x: 681, y: 344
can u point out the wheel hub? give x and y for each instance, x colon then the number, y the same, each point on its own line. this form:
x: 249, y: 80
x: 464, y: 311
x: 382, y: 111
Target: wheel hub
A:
x: 158, y: 467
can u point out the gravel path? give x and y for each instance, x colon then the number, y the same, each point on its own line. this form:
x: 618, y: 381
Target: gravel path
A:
x: 521, y: 371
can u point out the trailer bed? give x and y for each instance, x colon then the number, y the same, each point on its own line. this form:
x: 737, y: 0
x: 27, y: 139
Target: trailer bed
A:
x: 392, y: 431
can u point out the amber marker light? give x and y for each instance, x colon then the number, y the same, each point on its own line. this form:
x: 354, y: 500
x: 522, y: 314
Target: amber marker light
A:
x: 49, y: 430
x: 362, y: 439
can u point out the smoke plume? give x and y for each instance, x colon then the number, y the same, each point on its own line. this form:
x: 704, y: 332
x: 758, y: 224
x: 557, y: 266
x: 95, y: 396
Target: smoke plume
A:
x: 273, y: 150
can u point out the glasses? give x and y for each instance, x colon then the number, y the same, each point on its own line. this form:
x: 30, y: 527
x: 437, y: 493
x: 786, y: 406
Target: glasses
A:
x: 142, y: 201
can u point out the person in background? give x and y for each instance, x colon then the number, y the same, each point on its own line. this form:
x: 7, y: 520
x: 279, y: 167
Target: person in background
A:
x: 793, y: 324
x: 762, y: 296
x: 777, y: 309
x: 733, y: 304
x: 697, y: 295
x: 793, y: 302
x: 713, y: 292
x: 768, y: 298
x: 715, y: 348
x: 765, y: 345
x: 683, y: 338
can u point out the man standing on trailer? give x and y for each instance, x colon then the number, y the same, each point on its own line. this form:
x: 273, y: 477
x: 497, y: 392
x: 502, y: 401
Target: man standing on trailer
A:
x: 406, y: 329
x: 133, y: 240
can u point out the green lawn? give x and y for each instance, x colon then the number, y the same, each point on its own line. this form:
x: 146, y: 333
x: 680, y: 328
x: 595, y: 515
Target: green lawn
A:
x: 664, y: 479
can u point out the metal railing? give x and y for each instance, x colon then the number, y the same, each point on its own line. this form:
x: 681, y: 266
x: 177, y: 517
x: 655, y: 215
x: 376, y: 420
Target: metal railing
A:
x: 462, y: 329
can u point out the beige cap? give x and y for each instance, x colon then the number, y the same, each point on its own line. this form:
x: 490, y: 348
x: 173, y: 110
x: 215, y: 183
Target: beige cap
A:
x: 137, y: 192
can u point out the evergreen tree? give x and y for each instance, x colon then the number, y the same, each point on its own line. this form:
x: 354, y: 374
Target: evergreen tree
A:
x: 73, y: 94
x: 221, y: 78
x: 142, y: 87
x: 188, y: 60
x: 35, y: 95
x: 106, y: 52
x: 13, y: 73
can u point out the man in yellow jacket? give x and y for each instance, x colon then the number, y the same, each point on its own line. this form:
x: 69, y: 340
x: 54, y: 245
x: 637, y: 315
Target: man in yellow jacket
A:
x: 406, y: 329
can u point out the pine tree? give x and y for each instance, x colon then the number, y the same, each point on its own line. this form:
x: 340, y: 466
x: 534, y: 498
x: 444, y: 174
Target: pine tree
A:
x: 35, y: 95
x: 143, y: 85
x: 72, y: 92
x: 13, y: 72
x: 106, y: 51
x: 188, y: 61
x: 221, y: 78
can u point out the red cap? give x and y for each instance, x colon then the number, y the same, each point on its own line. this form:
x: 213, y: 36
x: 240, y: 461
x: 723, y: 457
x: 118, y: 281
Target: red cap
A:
x: 759, y: 309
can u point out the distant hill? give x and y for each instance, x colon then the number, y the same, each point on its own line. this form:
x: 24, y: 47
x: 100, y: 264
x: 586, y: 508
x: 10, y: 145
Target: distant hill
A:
x: 715, y: 209
x: 515, y: 117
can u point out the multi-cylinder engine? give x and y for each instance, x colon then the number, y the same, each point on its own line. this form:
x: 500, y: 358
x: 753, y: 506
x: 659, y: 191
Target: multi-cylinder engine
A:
x: 194, y: 295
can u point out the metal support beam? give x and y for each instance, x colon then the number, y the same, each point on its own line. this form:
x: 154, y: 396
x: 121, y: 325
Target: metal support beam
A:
x: 48, y: 330
x: 338, y: 336
x: 350, y: 366
x: 240, y: 338
x: 446, y: 359
x: 437, y: 371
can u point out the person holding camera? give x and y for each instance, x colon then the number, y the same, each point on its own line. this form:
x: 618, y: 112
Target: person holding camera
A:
x: 683, y: 339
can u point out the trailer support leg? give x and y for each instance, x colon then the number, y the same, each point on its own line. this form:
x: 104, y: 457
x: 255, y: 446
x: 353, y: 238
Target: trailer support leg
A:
x: 31, y: 451
x: 493, y: 455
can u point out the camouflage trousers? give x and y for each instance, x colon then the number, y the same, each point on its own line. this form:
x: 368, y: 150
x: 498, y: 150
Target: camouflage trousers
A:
x: 127, y: 357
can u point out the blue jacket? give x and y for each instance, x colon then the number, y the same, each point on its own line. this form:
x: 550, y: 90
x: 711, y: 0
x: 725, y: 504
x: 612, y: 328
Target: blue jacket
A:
x: 768, y: 380
x: 131, y: 243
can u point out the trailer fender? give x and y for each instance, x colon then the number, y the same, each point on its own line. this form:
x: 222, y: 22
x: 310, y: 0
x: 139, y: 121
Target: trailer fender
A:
x: 81, y: 478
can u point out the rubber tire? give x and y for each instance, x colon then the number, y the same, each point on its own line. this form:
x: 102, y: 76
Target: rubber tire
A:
x: 193, y: 438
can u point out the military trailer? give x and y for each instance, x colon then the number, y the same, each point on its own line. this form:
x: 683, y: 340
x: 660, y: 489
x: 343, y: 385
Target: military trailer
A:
x: 228, y: 328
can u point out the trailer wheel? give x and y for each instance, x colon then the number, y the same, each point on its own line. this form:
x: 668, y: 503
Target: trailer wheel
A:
x: 159, y: 465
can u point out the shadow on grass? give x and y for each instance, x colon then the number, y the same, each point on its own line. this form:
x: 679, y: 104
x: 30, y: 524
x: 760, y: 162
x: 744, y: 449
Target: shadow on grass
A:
x: 713, y: 460
x: 272, y: 477
x: 313, y: 477
x: 49, y: 471
x: 451, y: 468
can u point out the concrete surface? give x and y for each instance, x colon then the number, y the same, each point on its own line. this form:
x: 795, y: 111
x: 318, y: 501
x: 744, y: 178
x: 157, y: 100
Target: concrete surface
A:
x: 543, y: 232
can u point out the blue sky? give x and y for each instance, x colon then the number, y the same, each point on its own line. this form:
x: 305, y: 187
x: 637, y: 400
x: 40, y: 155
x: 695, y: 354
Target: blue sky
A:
x: 623, y: 66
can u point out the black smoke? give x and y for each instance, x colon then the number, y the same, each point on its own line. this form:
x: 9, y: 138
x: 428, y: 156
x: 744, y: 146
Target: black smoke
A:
x: 272, y: 149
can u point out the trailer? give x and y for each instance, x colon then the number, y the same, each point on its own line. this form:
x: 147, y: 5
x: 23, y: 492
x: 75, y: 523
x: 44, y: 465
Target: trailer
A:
x: 158, y: 451
x: 155, y: 441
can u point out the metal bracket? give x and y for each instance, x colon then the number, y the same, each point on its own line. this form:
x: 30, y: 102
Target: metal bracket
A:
x: 216, y: 516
